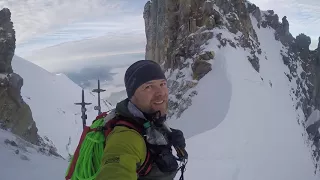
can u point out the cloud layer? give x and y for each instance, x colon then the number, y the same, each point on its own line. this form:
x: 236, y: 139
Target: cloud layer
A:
x: 90, y: 34
x: 125, y: 27
x: 113, y: 49
x: 31, y: 17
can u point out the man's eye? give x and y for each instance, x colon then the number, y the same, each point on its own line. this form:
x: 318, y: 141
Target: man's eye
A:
x: 163, y: 84
x: 147, y: 87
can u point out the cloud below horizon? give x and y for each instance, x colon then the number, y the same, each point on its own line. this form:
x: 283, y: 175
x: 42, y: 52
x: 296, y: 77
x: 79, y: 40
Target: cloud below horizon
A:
x: 101, y: 51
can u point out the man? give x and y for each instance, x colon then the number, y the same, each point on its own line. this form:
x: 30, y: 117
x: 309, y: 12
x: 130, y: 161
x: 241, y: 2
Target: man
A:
x: 128, y: 155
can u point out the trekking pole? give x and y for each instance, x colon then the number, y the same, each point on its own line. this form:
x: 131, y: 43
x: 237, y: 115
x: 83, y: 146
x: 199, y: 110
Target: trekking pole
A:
x: 83, y: 109
x: 98, y: 108
x: 181, y: 152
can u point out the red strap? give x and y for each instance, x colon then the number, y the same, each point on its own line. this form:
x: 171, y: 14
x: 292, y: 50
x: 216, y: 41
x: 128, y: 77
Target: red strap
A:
x: 146, y: 166
x: 130, y: 125
x: 76, y: 154
x: 102, y: 115
x: 148, y: 170
x: 118, y: 122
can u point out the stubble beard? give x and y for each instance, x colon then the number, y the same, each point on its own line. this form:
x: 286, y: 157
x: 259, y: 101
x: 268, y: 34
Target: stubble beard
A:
x: 163, y: 109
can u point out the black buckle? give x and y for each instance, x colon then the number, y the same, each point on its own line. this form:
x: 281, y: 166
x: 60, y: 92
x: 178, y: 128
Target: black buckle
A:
x: 100, y: 128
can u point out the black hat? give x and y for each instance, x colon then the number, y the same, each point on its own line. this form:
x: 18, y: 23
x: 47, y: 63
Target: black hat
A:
x: 141, y: 72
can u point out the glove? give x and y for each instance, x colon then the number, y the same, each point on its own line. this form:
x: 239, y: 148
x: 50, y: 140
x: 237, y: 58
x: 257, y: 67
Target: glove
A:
x: 166, y: 162
x: 163, y: 157
x: 176, y: 138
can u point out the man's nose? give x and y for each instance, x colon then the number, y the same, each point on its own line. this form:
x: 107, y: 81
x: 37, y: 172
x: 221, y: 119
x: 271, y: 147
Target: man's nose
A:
x: 159, y: 90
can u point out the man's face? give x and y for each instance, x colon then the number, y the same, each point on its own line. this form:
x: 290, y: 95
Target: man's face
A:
x: 152, y: 96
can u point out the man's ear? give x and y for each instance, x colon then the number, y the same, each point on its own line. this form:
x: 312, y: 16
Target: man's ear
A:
x: 133, y: 99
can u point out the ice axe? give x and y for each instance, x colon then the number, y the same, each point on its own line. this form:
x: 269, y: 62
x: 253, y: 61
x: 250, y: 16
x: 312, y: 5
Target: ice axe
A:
x: 181, y: 152
x: 99, y: 90
x: 83, y: 109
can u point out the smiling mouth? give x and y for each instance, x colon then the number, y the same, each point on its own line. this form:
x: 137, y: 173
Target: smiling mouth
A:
x: 159, y: 102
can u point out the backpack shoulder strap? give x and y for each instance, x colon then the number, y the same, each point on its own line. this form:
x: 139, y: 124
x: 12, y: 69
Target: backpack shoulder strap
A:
x: 74, y: 159
x: 145, y: 168
x: 131, y: 125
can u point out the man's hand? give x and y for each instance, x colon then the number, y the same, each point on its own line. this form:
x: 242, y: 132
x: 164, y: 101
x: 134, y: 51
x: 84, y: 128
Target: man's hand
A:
x: 176, y: 138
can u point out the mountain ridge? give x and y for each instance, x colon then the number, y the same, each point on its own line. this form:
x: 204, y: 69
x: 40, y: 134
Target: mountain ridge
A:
x: 179, y: 34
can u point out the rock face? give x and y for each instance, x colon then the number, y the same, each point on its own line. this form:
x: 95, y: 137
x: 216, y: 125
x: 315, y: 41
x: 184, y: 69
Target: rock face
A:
x: 7, y: 40
x: 15, y: 114
x: 310, y: 96
x: 176, y: 28
x: 175, y: 31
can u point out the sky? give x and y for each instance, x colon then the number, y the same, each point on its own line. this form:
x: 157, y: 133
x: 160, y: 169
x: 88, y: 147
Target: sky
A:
x: 68, y: 35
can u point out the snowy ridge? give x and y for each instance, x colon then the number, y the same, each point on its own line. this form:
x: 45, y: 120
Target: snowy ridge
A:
x: 51, y: 98
x: 244, y: 124
x: 181, y: 90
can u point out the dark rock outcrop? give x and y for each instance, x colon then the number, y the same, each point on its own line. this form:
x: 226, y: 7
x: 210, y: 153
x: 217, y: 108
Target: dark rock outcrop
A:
x: 255, y: 11
x: 7, y: 41
x: 271, y: 20
x: 285, y: 25
x: 15, y: 114
x: 302, y: 43
x: 200, y: 69
x: 177, y: 29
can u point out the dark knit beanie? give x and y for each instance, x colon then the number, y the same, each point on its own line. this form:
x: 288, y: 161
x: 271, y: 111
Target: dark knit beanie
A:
x: 141, y: 72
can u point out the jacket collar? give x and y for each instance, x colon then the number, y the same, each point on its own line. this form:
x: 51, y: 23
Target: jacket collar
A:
x: 135, y: 111
x: 127, y: 109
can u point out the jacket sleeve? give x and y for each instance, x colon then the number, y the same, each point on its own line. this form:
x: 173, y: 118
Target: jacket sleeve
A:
x: 125, y: 150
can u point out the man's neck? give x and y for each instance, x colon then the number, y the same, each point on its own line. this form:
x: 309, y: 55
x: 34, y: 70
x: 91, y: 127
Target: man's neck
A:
x: 155, y: 117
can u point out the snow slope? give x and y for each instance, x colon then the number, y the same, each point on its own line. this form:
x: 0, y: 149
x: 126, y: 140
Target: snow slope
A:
x: 243, y: 124
x: 51, y: 98
x: 22, y: 161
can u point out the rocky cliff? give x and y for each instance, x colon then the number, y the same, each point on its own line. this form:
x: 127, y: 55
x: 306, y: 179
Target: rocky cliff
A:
x: 178, y: 32
x: 15, y: 114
